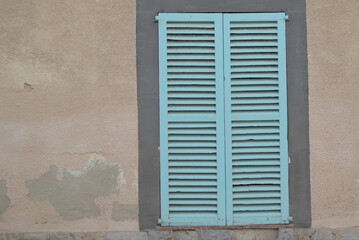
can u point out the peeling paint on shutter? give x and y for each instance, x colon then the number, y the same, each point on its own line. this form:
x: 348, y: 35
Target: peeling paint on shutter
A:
x: 256, y: 119
x: 191, y: 119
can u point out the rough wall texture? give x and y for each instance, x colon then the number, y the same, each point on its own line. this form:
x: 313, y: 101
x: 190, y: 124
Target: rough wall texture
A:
x: 4, y: 199
x: 68, y: 115
x: 333, y: 54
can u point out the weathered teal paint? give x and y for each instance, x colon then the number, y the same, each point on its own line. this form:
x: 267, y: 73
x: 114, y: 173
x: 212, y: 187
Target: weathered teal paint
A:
x: 282, y: 63
x: 162, y: 43
x: 221, y: 174
x: 256, y: 119
x: 227, y: 121
x: 234, y: 109
x: 191, y: 117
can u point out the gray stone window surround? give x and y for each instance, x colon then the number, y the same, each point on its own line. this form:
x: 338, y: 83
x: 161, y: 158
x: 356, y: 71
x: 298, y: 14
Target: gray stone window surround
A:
x: 148, y: 108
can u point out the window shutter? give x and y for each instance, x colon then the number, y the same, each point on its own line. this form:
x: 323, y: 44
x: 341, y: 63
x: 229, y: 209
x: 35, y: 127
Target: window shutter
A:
x: 191, y: 119
x: 256, y: 118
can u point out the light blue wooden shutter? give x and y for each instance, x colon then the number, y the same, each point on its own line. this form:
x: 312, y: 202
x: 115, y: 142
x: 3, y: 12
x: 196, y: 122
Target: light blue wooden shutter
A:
x: 191, y: 119
x: 256, y: 118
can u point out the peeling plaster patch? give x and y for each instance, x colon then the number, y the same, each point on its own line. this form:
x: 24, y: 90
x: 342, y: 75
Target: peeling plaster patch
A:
x: 124, y: 211
x: 4, y: 199
x: 97, y: 160
x: 73, y: 197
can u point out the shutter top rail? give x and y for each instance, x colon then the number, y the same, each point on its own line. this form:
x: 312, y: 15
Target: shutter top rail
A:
x: 209, y: 16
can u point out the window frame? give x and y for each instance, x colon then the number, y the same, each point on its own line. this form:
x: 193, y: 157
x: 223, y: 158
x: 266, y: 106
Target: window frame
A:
x: 147, y: 95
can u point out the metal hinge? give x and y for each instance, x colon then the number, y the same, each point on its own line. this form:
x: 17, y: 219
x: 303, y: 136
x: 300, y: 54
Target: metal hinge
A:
x: 287, y: 220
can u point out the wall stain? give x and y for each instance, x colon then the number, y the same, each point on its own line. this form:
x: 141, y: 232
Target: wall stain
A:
x: 124, y: 211
x: 73, y: 197
x: 4, y: 199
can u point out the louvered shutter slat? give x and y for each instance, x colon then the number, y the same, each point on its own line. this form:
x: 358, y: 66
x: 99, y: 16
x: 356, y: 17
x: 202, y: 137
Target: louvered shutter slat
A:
x: 255, y: 102
x: 191, y: 116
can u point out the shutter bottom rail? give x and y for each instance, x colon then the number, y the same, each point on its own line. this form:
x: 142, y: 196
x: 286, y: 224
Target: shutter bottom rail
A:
x: 255, y: 226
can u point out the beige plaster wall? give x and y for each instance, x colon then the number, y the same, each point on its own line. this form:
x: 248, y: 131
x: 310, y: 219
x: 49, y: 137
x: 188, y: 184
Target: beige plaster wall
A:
x: 68, y: 115
x: 333, y: 55
x: 68, y: 109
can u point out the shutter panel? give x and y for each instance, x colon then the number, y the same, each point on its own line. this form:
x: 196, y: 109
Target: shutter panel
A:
x: 256, y: 119
x: 191, y: 119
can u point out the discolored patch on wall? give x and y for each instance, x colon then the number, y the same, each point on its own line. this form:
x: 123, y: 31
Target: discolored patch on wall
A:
x: 4, y: 199
x: 124, y: 211
x: 73, y: 197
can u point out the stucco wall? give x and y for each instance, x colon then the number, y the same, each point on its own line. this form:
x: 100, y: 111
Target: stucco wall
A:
x: 68, y: 116
x: 333, y: 62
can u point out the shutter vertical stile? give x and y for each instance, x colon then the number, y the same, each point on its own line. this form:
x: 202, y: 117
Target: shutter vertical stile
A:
x: 256, y: 119
x: 191, y: 119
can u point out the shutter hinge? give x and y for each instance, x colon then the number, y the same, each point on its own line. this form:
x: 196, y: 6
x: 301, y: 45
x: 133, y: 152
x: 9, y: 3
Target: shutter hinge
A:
x: 287, y: 220
x: 289, y: 160
x: 160, y: 221
x: 286, y: 17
